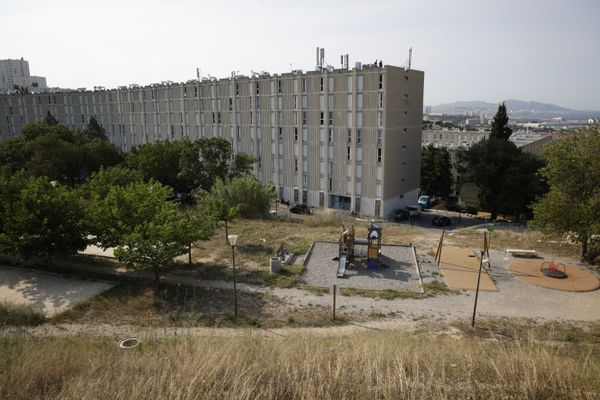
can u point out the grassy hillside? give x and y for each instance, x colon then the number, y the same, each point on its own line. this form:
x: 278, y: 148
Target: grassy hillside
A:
x: 370, y: 365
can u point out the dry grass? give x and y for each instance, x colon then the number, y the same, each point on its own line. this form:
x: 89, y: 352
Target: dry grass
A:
x: 141, y: 304
x: 19, y: 315
x: 505, y: 239
x: 358, y: 366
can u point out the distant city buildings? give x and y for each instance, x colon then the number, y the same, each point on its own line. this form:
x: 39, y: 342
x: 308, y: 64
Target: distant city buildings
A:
x: 15, y: 74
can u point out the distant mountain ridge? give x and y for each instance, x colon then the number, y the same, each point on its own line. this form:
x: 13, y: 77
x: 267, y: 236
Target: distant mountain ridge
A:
x: 512, y: 105
x: 515, y: 108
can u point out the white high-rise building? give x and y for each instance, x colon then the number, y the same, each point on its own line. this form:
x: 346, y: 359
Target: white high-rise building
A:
x: 16, y: 73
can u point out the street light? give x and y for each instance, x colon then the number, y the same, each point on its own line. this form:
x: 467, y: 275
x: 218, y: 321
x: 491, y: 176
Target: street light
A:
x: 232, y: 242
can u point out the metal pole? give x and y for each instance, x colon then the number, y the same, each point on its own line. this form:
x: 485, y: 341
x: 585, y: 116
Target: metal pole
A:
x: 477, y: 291
x: 334, y: 290
x: 234, y: 284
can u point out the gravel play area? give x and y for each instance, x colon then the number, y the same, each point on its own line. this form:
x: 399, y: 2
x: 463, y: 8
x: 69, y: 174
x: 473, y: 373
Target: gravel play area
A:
x: 398, y: 270
x: 49, y: 293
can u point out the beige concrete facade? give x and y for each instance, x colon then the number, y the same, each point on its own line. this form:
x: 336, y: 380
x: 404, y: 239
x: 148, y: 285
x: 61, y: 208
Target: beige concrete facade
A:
x: 344, y: 138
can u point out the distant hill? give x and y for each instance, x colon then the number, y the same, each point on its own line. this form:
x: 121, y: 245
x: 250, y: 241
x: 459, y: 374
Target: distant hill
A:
x: 516, y: 109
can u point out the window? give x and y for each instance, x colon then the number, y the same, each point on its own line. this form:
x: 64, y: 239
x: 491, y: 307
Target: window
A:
x: 330, y: 184
x: 379, y: 139
x: 303, y: 117
x: 278, y: 86
x: 349, y: 101
x: 330, y: 101
x: 380, y: 81
x: 280, y: 133
x: 257, y: 88
x: 349, y: 118
x: 349, y: 83
x: 322, y: 117
x: 304, y: 102
x: 379, y: 118
x: 296, y: 134
x: 330, y: 84
x: 379, y: 154
x: 359, y: 83
x: 330, y: 136
x: 359, y: 101
x: 321, y: 85
x: 359, y: 119
x: 330, y: 118
x: 295, y: 165
x: 349, y: 135
x: 380, y: 100
x: 237, y: 89
x: 303, y: 85
x: 349, y: 153
x: 358, y: 136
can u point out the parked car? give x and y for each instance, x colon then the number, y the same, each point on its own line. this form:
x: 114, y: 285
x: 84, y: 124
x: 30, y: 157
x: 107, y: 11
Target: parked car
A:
x: 424, y: 202
x: 414, y: 211
x: 441, y: 221
x: 300, y: 209
x: 399, y: 215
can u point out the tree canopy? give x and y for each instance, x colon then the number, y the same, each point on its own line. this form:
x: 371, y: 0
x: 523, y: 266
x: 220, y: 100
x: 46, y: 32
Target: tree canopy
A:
x: 40, y: 218
x: 500, y: 128
x: 146, y: 229
x: 573, y: 201
x: 506, y: 178
x: 436, y: 172
x: 186, y: 166
x: 56, y: 152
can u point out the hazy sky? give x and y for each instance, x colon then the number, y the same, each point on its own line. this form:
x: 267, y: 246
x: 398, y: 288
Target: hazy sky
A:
x: 470, y: 50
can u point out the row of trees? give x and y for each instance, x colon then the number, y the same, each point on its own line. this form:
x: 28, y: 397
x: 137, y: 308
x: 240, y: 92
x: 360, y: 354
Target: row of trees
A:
x: 126, y: 202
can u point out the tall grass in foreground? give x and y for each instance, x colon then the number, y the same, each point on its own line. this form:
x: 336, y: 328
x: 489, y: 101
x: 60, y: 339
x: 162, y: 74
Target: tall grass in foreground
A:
x: 357, y: 366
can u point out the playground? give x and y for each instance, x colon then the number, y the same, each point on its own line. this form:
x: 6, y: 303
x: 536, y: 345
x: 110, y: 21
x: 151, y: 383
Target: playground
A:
x: 362, y: 262
x: 397, y: 272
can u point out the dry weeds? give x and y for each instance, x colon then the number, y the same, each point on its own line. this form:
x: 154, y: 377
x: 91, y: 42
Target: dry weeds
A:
x: 370, y: 365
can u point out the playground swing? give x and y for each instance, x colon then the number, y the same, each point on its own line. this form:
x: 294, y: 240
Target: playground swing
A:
x: 348, y: 241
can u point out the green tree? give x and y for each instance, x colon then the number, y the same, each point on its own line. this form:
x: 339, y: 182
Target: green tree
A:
x: 573, y: 201
x: 241, y: 196
x: 500, y: 128
x: 146, y: 229
x: 40, y: 218
x: 158, y: 161
x: 94, y: 130
x: 97, y: 187
x: 436, y: 172
x: 100, y: 153
x: 506, y: 178
x: 185, y: 165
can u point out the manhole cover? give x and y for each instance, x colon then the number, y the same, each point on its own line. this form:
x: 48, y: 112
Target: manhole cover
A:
x: 129, y: 343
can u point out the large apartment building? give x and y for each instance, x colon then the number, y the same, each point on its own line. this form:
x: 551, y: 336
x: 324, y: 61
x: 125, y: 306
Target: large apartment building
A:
x: 346, y: 138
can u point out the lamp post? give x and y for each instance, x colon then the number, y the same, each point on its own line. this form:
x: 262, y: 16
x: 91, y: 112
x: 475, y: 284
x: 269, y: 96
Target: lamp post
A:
x: 232, y: 242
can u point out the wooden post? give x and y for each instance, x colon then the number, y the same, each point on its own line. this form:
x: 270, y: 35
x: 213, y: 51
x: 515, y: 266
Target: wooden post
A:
x: 438, y: 254
x: 334, y: 293
x: 477, y: 291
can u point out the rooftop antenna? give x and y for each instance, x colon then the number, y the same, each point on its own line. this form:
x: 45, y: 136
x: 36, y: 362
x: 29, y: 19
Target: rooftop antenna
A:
x: 409, y: 62
x: 197, y: 73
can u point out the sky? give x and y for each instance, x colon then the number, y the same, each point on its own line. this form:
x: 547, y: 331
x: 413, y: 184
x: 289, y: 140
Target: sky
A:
x: 546, y: 51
